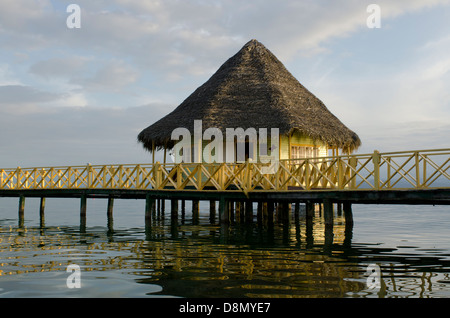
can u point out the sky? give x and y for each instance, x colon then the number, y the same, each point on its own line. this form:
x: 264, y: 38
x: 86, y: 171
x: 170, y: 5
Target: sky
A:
x: 71, y: 96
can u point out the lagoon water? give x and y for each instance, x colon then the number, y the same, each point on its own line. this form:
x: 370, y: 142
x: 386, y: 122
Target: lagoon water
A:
x: 409, y: 244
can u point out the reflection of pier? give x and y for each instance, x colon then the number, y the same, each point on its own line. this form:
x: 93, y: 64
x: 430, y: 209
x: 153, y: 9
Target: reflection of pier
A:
x: 414, y: 177
x: 246, y: 260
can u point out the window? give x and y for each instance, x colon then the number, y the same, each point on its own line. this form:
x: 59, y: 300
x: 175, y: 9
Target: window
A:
x: 299, y: 152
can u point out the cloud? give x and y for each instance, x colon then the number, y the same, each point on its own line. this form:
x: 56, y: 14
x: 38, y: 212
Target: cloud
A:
x: 76, y: 135
x: 60, y: 67
x: 21, y: 94
x: 112, y: 76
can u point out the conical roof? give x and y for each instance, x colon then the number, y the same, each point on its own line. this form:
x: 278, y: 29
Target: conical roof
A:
x: 253, y: 89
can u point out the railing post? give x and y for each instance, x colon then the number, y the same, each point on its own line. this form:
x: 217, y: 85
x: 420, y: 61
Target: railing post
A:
x: 18, y: 170
x: 340, y: 179
x: 376, y: 169
x: 416, y: 157
x: 353, y: 162
x: 248, y: 175
x: 307, y: 175
x: 89, y: 175
x: 199, y: 173
x: 424, y: 176
x: 179, y: 176
x: 157, y: 171
x: 120, y: 173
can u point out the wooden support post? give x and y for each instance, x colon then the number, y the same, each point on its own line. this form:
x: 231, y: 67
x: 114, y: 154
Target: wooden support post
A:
x: 109, y: 214
x: 212, y: 211
x: 265, y: 215
x: 297, y: 213
x: 339, y: 209
x: 195, y: 211
x: 309, y: 224
x: 110, y: 208
x: 310, y: 211
x: 348, y: 214
x: 297, y: 209
x: 83, y: 205
x: 149, y: 207
x: 42, y: 212
x: 174, y: 209
x: 248, y: 211
x: 224, y: 215
x: 183, y: 210
x: 328, y: 212
x: 21, y: 211
x: 238, y: 210
x: 259, y: 212
x: 270, y: 210
x: 283, y: 212
x: 231, y: 210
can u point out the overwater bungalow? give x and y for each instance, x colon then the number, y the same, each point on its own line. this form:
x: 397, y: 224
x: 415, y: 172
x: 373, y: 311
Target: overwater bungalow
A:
x: 253, y: 90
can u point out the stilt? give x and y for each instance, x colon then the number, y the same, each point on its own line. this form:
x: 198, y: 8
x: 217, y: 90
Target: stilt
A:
x: 224, y: 211
x: 248, y: 211
x: 149, y: 207
x: 285, y: 212
x: 110, y: 208
x: 41, y: 212
x: 328, y: 212
x: 212, y: 211
x: 195, y: 211
x: 265, y: 214
x: 348, y: 213
x: 174, y: 209
x: 183, y: 210
x: 21, y: 211
x: 109, y: 214
x: 329, y: 236
x: 231, y: 211
x: 163, y: 207
x: 259, y: 212
x: 297, y: 210
x: 270, y: 211
x: 339, y: 209
x: 238, y: 210
x: 83, y: 205
x: 310, y: 210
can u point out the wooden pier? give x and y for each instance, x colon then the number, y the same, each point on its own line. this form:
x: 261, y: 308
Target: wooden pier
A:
x: 410, y: 177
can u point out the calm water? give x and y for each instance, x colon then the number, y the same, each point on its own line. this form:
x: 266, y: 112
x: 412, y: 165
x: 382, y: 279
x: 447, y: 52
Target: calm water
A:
x: 410, y: 244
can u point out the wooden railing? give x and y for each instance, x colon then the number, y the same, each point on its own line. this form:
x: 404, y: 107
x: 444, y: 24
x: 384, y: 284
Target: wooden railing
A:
x: 424, y: 169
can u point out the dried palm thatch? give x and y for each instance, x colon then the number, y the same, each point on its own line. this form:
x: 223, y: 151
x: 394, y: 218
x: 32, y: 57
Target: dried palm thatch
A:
x: 253, y: 89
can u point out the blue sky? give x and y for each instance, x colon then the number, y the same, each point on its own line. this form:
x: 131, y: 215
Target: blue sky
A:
x: 72, y: 96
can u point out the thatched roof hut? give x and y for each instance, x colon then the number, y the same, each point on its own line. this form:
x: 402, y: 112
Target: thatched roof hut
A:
x: 253, y: 89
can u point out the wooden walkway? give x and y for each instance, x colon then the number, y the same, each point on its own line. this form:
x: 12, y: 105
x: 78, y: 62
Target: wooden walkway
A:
x: 409, y: 177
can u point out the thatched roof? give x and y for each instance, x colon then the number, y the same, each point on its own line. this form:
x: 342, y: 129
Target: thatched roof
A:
x: 253, y: 89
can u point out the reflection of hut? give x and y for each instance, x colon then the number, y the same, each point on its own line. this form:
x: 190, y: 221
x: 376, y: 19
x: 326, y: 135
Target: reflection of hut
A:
x: 254, y: 90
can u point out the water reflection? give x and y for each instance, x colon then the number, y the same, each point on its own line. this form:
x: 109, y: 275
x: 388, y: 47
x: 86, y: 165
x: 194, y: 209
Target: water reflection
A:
x: 183, y: 258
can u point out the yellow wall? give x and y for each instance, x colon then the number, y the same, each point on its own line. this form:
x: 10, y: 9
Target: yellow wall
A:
x: 300, y: 140
x: 295, y: 139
